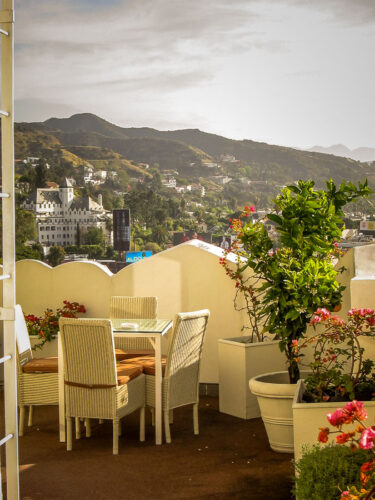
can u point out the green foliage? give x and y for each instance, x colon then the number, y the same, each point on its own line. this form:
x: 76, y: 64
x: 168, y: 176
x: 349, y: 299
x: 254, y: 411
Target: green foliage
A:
x: 92, y: 251
x: 25, y: 226
x: 323, y: 471
x: 154, y: 247
x: 299, y: 277
x: 26, y: 252
x: 56, y: 255
x: 94, y: 236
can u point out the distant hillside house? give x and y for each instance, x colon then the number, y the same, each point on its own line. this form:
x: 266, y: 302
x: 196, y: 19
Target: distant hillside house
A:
x: 61, y: 218
x: 209, y: 164
x: 198, y: 187
x: 221, y: 179
x: 228, y: 158
x: 170, y: 182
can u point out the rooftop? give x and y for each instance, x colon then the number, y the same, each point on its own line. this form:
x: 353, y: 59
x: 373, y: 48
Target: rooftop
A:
x: 230, y: 458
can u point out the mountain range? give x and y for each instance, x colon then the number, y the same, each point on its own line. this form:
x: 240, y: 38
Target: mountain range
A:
x: 89, y: 138
x: 358, y: 154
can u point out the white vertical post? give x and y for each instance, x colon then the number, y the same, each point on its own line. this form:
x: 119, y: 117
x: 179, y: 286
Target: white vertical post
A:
x: 9, y: 297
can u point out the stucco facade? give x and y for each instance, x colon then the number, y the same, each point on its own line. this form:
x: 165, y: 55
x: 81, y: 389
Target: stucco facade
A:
x: 61, y: 218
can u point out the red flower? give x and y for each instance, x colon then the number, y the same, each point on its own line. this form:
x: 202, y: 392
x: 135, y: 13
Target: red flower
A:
x: 344, y: 437
x: 356, y: 409
x: 323, y: 434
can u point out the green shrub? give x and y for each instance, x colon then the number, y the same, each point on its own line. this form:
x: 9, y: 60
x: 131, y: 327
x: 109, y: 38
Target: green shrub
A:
x: 323, y: 472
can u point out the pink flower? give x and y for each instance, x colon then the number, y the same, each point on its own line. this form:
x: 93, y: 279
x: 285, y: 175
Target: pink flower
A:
x: 338, y: 417
x: 356, y: 409
x: 367, y: 438
x: 345, y: 495
x: 295, y: 342
x: 315, y: 319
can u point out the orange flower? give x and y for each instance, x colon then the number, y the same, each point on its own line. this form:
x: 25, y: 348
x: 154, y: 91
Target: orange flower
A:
x: 323, y: 434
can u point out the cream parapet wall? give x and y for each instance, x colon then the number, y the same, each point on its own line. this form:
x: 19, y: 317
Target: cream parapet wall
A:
x: 185, y: 278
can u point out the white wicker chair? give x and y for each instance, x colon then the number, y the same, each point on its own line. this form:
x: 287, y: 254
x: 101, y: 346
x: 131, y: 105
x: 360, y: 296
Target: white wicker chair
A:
x: 93, y: 387
x: 133, y: 308
x: 181, y: 377
x: 37, y: 388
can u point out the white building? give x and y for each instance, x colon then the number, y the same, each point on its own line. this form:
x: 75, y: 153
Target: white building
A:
x: 199, y: 188
x: 61, y: 218
x: 169, y: 182
x: 221, y: 179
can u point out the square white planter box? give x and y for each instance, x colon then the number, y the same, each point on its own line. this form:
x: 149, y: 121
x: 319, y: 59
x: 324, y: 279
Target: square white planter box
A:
x: 238, y: 363
x: 308, y: 417
x: 48, y: 350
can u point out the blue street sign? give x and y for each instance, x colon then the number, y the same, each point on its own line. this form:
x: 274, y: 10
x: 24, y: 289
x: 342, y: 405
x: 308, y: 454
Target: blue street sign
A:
x: 136, y: 256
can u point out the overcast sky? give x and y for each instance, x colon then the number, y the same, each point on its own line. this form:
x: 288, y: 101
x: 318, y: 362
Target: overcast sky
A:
x: 289, y: 72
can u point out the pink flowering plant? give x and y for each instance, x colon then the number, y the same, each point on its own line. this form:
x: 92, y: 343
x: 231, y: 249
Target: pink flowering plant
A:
x: 360, y: 436
x: 339, y: 371
x: 285, y: 279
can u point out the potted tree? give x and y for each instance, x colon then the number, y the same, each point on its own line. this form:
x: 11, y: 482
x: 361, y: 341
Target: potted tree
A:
x: 296, y: 278
x: 243, y: 357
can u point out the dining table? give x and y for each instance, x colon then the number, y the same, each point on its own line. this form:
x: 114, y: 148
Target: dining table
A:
x: 152, y: 329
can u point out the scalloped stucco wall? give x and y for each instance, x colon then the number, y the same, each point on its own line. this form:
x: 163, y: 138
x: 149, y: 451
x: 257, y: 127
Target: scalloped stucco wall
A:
x: 184, y: 278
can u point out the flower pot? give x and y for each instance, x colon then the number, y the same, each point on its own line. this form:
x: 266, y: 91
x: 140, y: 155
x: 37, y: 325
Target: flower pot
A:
x: 275, y: 397
x: 308, y: 417
x: 240, y: 360
x: 49, y: 349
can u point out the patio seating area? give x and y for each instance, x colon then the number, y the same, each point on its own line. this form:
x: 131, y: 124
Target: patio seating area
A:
x: 230, y: 458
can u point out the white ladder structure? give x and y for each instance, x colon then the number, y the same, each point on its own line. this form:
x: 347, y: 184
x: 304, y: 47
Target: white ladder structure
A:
x: 8, y: 277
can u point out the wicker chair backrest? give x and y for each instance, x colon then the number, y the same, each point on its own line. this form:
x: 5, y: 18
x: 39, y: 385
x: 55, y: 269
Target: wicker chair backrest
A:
x: 88, y: 350
x: 184, y: 355
x: 133, y: 307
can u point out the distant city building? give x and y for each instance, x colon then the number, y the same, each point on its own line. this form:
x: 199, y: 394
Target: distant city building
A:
x: 61, y: 218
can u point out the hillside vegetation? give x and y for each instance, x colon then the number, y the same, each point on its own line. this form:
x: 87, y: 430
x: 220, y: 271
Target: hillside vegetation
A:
x: 91, y: 138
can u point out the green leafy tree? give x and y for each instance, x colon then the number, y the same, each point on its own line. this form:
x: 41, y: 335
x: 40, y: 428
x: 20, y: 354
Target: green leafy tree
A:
x: 154, y: 247
x: 56, y: 255
x: 160, y: 234
x: 41, y: 174
x: 95, y: 236
x: 299, y: 277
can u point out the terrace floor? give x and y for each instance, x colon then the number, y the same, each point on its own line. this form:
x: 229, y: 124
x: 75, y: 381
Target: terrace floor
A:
x: 230, y: 458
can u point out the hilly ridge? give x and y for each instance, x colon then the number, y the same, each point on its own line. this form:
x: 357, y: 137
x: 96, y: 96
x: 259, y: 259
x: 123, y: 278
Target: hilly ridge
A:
x: 184, y: 150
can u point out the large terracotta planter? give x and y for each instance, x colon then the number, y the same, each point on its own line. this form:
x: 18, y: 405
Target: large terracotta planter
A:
x: 275, y: 397
x: 240, y: 360
x: 308, y: 417
x: 48, y: 350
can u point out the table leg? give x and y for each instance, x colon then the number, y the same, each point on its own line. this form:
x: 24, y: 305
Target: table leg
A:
x: 61, y: 392
x: 158, y: 391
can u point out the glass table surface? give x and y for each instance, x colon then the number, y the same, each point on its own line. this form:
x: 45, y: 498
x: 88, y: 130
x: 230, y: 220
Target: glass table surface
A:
x: 141, y: 325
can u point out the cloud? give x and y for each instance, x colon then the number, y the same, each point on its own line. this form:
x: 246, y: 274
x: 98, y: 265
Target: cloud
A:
x: 128, y: 45
x: 349, y: 12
